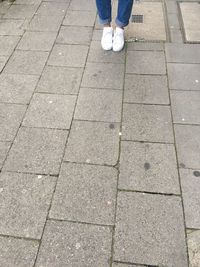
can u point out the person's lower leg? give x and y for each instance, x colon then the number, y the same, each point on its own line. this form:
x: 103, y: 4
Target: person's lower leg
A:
x: 104, y: 11
x: 123, y: 13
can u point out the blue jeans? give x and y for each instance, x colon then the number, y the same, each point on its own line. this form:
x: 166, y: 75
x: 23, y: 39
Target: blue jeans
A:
x: 123, y: 13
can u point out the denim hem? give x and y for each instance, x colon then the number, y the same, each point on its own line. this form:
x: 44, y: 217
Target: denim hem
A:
x: 121, y: 24
x: 104, y: 21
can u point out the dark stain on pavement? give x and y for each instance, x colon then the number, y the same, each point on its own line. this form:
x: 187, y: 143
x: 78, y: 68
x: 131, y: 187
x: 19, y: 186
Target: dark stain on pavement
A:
x: 147, y: 166
x: 112, y: 126
x: 196, y: 173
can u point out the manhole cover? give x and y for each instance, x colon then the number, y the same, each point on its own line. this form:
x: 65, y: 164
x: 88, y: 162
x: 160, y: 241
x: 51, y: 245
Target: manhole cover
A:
x: 137, y: 18
x: 190, y: 12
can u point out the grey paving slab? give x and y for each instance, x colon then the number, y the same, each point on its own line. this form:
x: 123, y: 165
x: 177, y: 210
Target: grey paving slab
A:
x: 68, y: 55
x: 37, y: 151
x: 21, y: 11
x: 17, y: 88
x: 147, y: 123
x: 26, y: 62
x: 4, y: 7
x: 79, y: 18
x: 183, y: 53
x: 42, y: 41
x: 184, y: 76
x: 78, y: 5
x: 50, y: 111
x: 26, y: 201
x: 99, y: 105
x: 186, y: 106
x: 97, y: 35
x: 74, y: 35
x: 10, y: 119
x: 52, y: 9
x: 60, y: 80
x: 190, y: 183
x: 97, y: 54
x: 194, y: 248
x: 103, y: 75
x: 147, y: 89
x: 72, y: 244
x: 93, y: 142
x: 85, y: 193
x: 4, y: 147
x: 11, y: 27
x: 8, y: 44
x: 150, y: 230
x: 144, y: 46
x: 188, y: 145
x: 148, y: 167
x: 45, y: 23
x: 145, y: 62
x: 17, y: 252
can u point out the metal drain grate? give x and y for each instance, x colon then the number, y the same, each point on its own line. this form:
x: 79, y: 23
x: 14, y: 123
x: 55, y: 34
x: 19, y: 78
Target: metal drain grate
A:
x: 137, y: 18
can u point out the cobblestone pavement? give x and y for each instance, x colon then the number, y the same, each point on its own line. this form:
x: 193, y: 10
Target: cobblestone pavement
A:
x: 99, y: 151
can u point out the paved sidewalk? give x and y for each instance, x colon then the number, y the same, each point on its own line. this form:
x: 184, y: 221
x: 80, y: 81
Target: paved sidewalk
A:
x: 99, y: 151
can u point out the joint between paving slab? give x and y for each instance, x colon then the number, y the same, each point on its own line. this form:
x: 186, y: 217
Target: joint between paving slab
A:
x: 20, y: 237
x: 185, y: 63
x: 190, y: 124
x: 143, y: 40
x: 12, y: 103
x: 137, y: 264
x: 146, y: 104
x: 49, y: 128
x: 147, y: 192
x: 193, y: 229
x: 145, y: 74
x: 146, y: 42
x: 52, y: 93
x: 61, y: 44
x: 31, y: 173
x: 102, y: 88
x: 184, y: 90
x: 92, y: 164
x: 147, y: 142
x: 102, y: 121
x: 80, y: 222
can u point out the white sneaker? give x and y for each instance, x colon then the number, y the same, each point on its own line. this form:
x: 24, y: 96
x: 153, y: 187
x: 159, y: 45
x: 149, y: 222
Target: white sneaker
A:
x: 107, y: 38
x: 118, y: 39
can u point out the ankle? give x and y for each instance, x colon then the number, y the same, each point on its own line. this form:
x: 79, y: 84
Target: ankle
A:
x: 120, y: 27
x: 107, y: 25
